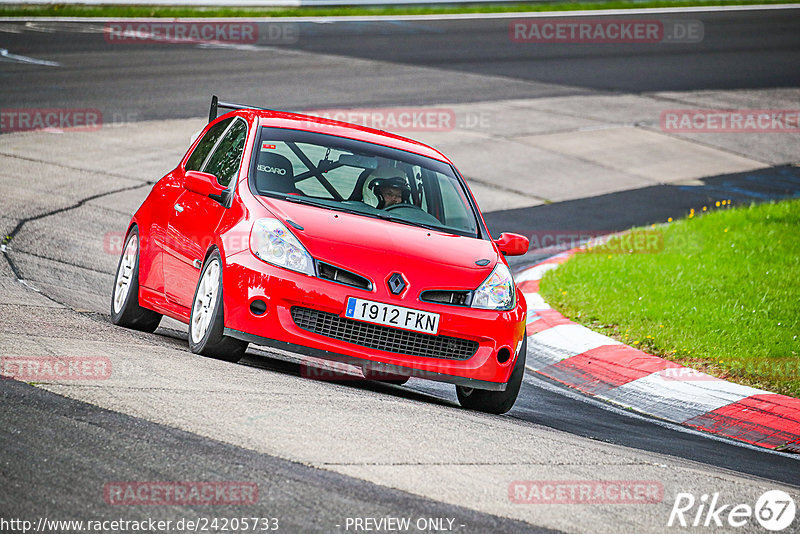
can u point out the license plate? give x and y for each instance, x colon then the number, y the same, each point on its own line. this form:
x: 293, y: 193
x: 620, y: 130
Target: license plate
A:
x: 388, y: 315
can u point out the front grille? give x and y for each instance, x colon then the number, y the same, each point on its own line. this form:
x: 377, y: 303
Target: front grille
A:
x: 383, y: 337
x: 335, y: 274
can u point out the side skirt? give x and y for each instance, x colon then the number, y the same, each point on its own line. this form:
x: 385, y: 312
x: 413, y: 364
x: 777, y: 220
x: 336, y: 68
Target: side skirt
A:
x: 155, y: 301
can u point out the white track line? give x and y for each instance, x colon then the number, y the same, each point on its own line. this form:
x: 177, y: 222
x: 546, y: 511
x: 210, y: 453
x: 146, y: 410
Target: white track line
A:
x: 25, y: 59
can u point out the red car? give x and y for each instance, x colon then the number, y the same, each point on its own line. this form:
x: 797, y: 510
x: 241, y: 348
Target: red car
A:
x: 332, y: 240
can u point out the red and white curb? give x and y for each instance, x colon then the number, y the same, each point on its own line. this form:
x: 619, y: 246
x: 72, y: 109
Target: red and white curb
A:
x: 602, y: 367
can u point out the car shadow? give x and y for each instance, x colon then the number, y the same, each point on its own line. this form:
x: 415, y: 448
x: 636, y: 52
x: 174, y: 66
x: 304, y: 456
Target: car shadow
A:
x: 614, y: 212
x: 295, y: 365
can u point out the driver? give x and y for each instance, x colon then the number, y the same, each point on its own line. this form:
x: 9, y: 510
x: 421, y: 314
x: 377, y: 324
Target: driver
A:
x: 390, y: 186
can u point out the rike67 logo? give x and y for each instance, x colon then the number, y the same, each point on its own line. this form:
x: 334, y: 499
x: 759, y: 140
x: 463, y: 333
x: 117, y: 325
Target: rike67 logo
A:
x: 775, y: 511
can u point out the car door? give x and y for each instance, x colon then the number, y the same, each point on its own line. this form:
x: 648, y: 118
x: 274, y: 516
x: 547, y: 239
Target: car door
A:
x: 194, y: 218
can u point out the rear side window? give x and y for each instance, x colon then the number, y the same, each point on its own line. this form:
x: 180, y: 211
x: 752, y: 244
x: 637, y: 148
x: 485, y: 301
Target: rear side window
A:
x: 195, y: 161
x: 227, y: 157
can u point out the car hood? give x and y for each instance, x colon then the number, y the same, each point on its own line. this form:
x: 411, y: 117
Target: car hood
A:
x: 375, y: 247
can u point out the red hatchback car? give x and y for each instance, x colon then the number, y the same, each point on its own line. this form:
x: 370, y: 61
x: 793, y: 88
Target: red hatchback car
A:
x: 332, y: 240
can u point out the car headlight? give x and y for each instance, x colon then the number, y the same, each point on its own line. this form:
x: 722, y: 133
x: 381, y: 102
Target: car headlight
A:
x: 497, y: 292
x: 272, y: 242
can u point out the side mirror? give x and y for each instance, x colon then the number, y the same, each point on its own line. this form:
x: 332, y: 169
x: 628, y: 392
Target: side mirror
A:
x: 202, y: 183
x: 512, y: 244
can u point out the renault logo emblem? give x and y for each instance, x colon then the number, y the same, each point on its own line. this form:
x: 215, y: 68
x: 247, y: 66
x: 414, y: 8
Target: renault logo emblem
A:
x: 396, y: 283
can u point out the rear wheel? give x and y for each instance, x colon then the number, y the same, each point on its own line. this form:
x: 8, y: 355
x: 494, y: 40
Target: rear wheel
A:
x: 206, y: 322
x: 125, y: 308
x: 496, y: 402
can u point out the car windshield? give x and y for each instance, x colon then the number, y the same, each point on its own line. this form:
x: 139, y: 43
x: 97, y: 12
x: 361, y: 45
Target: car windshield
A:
x: 363, y: 178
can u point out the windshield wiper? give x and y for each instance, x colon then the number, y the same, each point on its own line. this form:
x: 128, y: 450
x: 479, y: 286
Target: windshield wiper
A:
x: 394, y: 218
x: 379, y: 215
x: 311, y: 202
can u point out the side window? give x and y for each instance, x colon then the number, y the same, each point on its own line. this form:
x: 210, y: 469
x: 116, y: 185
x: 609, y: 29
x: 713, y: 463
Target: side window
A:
x: 455, y: 205
x: 205, y: 145
x: 226, y: 159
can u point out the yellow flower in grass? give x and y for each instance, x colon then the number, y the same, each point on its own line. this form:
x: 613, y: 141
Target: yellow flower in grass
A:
x: 717, y: 204
x: 669, y: 219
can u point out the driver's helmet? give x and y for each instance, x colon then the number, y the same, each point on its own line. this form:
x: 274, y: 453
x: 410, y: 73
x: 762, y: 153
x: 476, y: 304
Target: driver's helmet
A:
x: 389, y: 177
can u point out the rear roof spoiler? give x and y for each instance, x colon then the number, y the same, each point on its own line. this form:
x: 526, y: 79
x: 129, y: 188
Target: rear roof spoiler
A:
x: 216, y: 104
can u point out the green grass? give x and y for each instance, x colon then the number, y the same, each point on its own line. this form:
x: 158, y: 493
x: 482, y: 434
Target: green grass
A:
x: 63, y: 10
x: 723, y: 296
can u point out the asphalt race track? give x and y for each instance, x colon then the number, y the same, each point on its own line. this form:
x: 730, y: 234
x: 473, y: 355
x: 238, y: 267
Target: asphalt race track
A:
x: 323, y: 452
x: 418, y: 63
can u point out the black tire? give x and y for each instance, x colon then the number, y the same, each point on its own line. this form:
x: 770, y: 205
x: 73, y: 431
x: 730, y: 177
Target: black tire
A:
x: 212, y: 342
x: 125, y: 308
x: 496, y: 402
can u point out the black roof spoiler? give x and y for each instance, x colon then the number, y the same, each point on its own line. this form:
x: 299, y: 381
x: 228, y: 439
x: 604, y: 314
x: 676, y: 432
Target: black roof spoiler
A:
x: 216, y: 104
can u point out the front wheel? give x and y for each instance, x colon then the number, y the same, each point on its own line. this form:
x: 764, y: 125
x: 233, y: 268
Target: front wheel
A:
x: 206, y: 322
x: 125, y: 308
x: 496, y: 402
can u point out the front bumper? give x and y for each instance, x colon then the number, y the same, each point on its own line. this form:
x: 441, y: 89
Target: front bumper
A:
x: 247, y: 279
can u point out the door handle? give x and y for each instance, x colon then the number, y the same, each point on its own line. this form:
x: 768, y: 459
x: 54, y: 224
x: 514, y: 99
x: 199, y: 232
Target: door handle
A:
x: 178, y: 208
